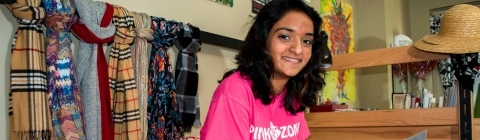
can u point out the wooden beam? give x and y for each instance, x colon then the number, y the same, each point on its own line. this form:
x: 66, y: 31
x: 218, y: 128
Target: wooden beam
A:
x: 386, y: 56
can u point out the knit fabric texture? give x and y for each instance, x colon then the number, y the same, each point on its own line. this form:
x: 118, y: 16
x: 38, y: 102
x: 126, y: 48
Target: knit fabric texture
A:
x: 64, y: 95
x: 93, y: 29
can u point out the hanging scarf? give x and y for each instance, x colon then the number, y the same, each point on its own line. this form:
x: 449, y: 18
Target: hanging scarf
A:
x: 186, y: 76
x: 29, y: 113
x: 444, y: 65
x: 164, y: 119
x: 143, y: 34
x: 64, y: 95
x: 467, y: 68
x: 126, y: 116
x: 93, y: 29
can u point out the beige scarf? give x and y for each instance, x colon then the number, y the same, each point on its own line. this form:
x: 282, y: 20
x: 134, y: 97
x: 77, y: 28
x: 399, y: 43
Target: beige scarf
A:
x: 29, y: 113
x: 123, y: 89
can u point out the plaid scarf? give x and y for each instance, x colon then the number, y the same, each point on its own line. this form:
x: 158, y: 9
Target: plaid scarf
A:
x: 65, y: 99
x: 126, y: 115
x: 164, y: 119
x: 140, y: 61
x: 186, y: 76
x: 94, y: 30
x: 29, y: 113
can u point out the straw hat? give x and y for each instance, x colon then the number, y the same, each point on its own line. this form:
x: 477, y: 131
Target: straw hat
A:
x: 459, y: 32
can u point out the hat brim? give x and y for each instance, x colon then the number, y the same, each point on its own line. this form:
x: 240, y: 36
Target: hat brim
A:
x: 442, y: 44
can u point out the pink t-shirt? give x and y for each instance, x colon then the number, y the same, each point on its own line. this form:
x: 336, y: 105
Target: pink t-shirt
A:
x: 235, y: 114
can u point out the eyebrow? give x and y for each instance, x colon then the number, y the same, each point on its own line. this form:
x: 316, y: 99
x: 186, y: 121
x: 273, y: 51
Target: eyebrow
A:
x: 291, y: 30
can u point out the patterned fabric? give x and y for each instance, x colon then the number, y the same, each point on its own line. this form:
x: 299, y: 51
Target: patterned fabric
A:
x: 29, y: 113
x: 93, y: 29
x: 140, y: 61
x: 123, y: 89
x: 64, y: 95
x: 164, y: 119
x: 444, y: 65
x: 186, y: 76
x: 467, y: 68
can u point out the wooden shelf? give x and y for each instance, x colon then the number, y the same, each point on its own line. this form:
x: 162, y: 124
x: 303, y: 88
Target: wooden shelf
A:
x: 400, y: 117
x: 384, y: 56
x: 440, y: 123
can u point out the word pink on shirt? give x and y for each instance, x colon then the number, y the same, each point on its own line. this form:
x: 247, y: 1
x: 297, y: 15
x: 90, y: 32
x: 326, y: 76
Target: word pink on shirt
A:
x: 235, y: 114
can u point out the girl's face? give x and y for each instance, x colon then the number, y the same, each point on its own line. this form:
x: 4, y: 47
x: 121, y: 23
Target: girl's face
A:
x: 289, y: 43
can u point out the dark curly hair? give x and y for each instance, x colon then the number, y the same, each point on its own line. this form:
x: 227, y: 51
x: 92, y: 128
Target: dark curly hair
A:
x: 255, y: 63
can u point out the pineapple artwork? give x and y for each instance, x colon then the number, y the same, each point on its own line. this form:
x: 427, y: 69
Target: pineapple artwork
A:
x: 338, y: 24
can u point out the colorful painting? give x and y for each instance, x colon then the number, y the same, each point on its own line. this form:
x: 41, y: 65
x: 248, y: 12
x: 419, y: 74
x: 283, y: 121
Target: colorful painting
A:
x: 338, y: 24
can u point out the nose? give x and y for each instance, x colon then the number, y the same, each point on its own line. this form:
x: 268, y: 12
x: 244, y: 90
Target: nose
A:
x: 296, y: 47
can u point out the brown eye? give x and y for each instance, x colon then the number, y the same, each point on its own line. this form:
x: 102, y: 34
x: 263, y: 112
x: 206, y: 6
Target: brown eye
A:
x: 284, y: 37
x: 307, y: 41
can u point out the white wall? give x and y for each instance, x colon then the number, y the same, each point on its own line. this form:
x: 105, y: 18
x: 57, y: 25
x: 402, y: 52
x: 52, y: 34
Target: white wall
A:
x: 7, y: 22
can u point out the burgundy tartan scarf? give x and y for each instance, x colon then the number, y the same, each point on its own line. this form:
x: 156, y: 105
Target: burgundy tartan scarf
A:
x: 123, y: 90
x: 64, y: 95
x: 29, y: 113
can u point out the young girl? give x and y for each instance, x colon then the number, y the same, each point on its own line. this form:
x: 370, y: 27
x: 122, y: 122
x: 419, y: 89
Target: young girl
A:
x: 279, y: 74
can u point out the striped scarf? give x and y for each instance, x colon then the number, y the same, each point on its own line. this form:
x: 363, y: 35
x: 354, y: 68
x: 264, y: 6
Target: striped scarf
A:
x: 123, y: 89
x: 186, y: 76
x: 29, y: 113
x: 164, y: 119
x: 64, y: 95
x: 140, y: 61
x: 94, y: 30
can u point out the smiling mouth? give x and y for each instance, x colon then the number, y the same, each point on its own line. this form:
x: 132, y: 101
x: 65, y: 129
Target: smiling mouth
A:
x: 294, y: 60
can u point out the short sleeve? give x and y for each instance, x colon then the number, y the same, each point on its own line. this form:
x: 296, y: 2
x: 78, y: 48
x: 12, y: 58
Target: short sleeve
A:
x: 304, y: 132
x: 226, y: 119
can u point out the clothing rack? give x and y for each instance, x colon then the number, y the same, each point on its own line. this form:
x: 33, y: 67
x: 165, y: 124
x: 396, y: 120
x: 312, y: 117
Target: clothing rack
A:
x: 220, y: 40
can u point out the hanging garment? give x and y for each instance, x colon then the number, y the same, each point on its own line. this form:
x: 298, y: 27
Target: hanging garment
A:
x: 197, y: 124
x: 143, y: 33
x: 64, y: 95
x: 444, y: 65
x: 467, y: 68
x: 186, y: 76
x: 164, y: 119
x: 7, y: 1
x: 123, y: 89
x: 29, y: 113
x: 93, y: 29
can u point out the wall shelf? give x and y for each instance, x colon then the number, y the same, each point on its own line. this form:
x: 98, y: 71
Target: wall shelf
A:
x: 441, y: 123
